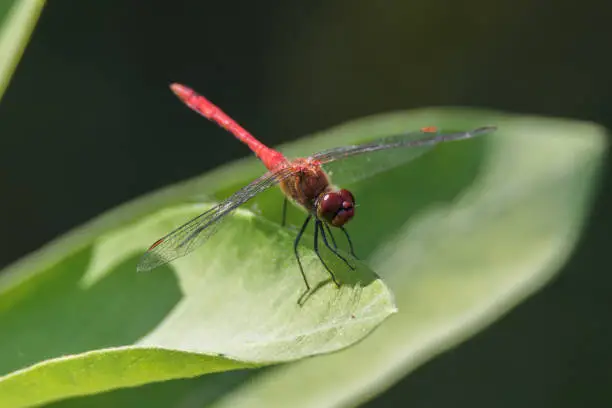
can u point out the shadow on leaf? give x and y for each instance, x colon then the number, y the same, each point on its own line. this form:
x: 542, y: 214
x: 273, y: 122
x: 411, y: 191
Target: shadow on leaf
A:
x: 119, y: 309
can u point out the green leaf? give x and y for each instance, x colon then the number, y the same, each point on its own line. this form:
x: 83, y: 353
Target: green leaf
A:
x: 17, y: 20
x: 461, y: 234
x: 235, y: 301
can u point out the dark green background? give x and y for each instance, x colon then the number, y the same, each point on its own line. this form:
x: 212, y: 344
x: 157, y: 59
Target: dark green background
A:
x: 88, y: 123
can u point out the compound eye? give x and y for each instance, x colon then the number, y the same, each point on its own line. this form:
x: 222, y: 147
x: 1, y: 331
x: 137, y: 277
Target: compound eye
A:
x: 347, y: 196
x: 329, y: 205
x: 336, y: 207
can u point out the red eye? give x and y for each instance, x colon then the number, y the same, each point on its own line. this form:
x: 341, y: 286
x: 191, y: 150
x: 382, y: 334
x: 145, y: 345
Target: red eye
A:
x: 347, y: 196
x: 336, y: 207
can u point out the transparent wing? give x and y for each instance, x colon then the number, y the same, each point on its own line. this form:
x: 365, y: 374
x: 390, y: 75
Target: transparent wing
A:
x: 194, y: 233
x: 370, y: 158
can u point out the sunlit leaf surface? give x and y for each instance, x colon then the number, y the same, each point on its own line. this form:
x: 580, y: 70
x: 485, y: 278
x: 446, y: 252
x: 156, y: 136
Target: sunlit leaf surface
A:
x: 461, y: 234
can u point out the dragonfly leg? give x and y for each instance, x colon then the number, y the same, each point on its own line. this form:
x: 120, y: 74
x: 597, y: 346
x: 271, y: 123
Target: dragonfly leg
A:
x: 295, y: 249
x: 348, y: 238
x: 284, y: 211
x: 330, y: 234
x: 335, y: 251
x: 316, y: 248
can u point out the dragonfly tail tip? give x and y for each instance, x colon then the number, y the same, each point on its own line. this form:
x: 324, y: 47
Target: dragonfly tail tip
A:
x: 180, y: 90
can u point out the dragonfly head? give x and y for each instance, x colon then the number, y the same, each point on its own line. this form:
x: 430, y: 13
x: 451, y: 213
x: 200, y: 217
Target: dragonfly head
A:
x: 336, y: 207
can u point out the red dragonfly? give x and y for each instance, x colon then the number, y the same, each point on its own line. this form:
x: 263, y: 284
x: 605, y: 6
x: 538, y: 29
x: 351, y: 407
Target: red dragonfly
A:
x: 302, y: 180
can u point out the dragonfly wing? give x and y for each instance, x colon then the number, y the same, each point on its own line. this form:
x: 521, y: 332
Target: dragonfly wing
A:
x: 194, y: 233
x: 349, y: 164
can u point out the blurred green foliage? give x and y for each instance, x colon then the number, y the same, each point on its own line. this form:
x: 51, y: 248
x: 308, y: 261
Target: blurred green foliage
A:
x: 17, y: 20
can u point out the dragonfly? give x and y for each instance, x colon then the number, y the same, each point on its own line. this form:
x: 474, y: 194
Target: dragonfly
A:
x: 303, y: 181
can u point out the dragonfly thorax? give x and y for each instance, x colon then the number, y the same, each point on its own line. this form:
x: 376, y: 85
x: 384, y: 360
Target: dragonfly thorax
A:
x: 337, y: 207
x: 306, y: 184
